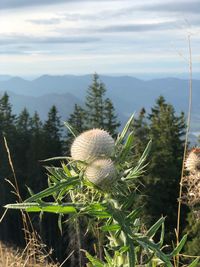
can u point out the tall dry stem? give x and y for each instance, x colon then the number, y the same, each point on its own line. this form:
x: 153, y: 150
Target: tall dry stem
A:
x: 34, y: 246
x: 185, y: 147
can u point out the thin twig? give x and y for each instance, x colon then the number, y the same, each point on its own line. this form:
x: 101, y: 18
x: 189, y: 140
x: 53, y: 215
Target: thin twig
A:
x: 188, y: 256
x: 4, y: 214
x: 67, y: 258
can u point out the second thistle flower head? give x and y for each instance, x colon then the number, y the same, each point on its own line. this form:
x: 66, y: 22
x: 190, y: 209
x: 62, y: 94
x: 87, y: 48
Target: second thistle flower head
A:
x: 92, y: 144
x: 192, y: 162
x: 101, y: 172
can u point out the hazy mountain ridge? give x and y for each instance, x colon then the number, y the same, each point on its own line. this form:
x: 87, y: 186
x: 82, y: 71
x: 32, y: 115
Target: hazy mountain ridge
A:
x: 42, y: 104
x: 128, y: 94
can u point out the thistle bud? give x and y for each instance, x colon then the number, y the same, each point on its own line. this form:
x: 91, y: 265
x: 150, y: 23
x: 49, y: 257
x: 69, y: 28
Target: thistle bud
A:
x: 192, y: 162
x: 92, y: 144
x: 101, y: 172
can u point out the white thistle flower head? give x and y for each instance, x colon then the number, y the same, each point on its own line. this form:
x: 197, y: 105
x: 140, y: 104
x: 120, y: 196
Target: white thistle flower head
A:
x: 192, y: 162
x: 92, y: 144
x: 101, y: 172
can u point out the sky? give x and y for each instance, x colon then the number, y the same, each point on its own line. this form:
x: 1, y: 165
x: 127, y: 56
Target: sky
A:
x: 142, y: 38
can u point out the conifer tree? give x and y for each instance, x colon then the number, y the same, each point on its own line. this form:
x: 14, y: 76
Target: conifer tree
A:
x: 111, y: 122
x: 7, y: 119
x: 51, y: 147
x: 36, y: 153
x: 23, y: 137
x: 52, y: 134
x: 8, y: 130
x: 36, y: 124
x: 78, y: 120
x: 166, y: 132
x: 95, y: 103
x: 100, y: 112
x: 23, y: 121
x: 161, y: 181
x: 7, y: 123
x: 140, y: 130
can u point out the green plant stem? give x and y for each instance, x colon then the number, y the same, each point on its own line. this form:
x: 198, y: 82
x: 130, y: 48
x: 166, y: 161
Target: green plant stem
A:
x: 99, y: 240
x: 118, y: 216
x: 77, y: 227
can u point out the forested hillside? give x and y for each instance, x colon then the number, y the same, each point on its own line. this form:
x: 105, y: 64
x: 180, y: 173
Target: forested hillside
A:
x: 31, y: 140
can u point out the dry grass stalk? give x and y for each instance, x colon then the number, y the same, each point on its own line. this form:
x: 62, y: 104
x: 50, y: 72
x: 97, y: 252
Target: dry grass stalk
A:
x: 11, y: 257
x: 35, y: 253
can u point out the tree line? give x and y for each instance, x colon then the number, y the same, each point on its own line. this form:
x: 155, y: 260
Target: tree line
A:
x: 31, y: 140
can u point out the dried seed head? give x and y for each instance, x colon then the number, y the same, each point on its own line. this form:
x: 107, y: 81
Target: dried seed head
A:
x: 191, y: 186
x: 92, y: 144
x: 192, y: 162
x: 101, y: 172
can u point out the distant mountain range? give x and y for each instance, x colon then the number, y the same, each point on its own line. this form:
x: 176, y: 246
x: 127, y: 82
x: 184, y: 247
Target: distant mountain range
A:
x: 127, y: 93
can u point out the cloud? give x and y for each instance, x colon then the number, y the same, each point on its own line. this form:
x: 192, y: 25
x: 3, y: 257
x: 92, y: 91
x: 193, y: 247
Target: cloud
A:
x: 75, y: 39
x: 11, y: 4
x: 11, y: 52
x: 50, y: 21
x: 183, y: 6
x: 7, y: 49
x: 97, y: 15
x: 138, y: 27
x: 8, y: 4
x: 22, y: 39
x: 73, y: 16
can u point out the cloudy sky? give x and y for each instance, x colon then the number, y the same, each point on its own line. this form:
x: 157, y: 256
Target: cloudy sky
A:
x: 134, y: 37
